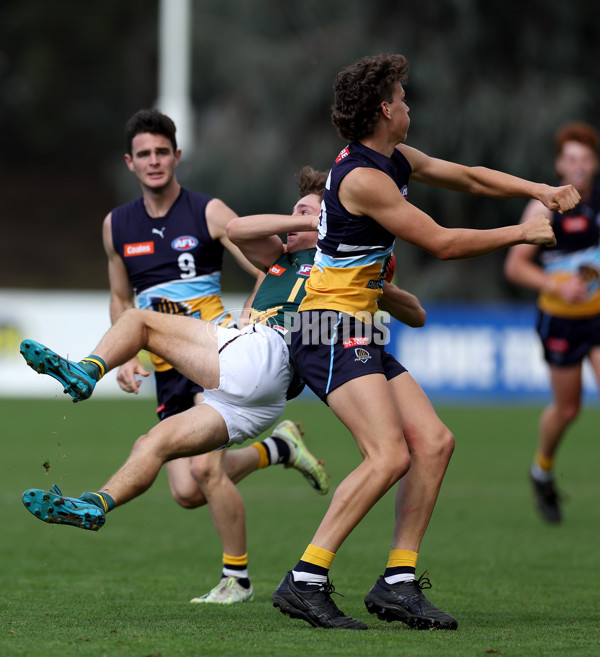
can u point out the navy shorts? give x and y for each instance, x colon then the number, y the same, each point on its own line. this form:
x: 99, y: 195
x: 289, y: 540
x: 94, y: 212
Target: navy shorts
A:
x: 567, y: 341
x: 174, y: 393
x: 333, y: 348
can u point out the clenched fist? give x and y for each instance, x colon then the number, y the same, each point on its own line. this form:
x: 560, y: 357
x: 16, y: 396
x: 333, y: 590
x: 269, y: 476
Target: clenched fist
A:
x: 538, y: 230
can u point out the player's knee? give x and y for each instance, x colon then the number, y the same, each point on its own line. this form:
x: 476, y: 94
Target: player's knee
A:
x: 436, y: 446
x: 203, y: 471
x: 399, y: 467
x: 446, y: 444
x: 143, y: 443
x: 569, y: 412
x: 189, y: 500
x: 392, y: 465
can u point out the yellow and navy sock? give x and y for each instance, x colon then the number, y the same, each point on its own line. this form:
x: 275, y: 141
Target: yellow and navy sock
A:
x: 94, y: 366
x: 272, y: 451
x: 312, y: 570
x: 236, y: 567
x: 542, y: 468
x: 102, y: 500
x: 401, y: 566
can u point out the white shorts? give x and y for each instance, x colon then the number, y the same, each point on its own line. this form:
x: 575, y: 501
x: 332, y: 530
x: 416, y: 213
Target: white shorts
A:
x: 255, y: 374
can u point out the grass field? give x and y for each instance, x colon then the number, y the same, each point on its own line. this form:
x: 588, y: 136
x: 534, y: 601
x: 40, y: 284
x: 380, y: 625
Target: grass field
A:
x: 519, y: 587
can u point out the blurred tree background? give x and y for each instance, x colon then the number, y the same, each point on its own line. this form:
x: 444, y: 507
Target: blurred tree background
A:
x: 489, y: 84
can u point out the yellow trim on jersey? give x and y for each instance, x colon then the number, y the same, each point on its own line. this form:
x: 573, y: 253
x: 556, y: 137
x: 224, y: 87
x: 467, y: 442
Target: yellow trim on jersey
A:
x: 555, y: 306
x: 345, y: 289
x: 209, y: 308
x: 297, y: 287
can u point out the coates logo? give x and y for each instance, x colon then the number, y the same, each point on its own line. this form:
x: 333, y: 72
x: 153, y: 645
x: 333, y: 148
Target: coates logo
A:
x: 343, y: 154
x: 138, y: 248
x: 355, y: 342
x: 184, y: 243
x: 304, y: 270
x: 404, y: 191
x: 362, y: 355
x: 276, y: 270
x: 575, y: 224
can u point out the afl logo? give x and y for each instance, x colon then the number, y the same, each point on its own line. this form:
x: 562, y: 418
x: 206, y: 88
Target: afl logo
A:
x: 304, y: 270
x: 184, y: 243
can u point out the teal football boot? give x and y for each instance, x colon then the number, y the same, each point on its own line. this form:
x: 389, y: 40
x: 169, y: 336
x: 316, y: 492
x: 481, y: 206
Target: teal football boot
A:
x: 54, y: 507
x: 74, y: 379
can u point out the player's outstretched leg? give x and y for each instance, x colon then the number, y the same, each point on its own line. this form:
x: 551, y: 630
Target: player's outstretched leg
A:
x: 53, y: 507
x: 300, y: 458
x: 405, y: 602
x: 227, y: 592
x: 314, y: 606
x: 73, y: 377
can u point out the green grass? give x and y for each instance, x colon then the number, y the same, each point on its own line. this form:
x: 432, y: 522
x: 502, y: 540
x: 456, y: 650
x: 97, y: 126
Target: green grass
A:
x: 519, y: 587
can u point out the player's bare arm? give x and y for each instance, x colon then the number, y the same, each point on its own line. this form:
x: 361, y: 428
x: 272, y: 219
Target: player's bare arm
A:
x: 257, y: 235
x: 121, y: 299
x: 402, y: 305
x: 369, y: 192
x: 521, y: 267
x: 218, y: 215
x: 482, y: 181
x: 121, y: 292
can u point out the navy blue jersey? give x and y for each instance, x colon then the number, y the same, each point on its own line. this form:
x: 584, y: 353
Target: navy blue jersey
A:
x: 353, y: 250
x: 578, y: 229
x: 171, y: 257
x: 173, y: 263
x: 577, y: 253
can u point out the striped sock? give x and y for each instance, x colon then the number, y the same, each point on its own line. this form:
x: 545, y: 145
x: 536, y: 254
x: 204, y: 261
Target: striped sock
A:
x: 94, y: 366
x: 236, y: 567
x: 312, y: 571
x: 401, y: 566
x: 542, y: 468
x: 263, y: 455
x: 272, y: 451
x: 102, y: 500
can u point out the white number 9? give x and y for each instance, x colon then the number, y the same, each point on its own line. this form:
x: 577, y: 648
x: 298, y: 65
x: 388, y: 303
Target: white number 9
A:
x: 187, y: 265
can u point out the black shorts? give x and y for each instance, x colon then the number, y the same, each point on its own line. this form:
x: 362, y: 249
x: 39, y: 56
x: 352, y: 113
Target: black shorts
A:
x: 174, y: 393
x: 567, y: 341
x: 343, y: 348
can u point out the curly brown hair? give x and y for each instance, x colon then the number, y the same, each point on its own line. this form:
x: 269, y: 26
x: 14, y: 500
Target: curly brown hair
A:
x: 578, y: 131
x: 311, y: 181
x: 359, y: 91
x: 152, y: 121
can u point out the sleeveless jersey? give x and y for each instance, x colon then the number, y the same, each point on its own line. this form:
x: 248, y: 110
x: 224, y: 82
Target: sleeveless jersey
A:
x: 577, y: 253
x: 353, y: 250
x: 173, y: 263
x: 279, y: 295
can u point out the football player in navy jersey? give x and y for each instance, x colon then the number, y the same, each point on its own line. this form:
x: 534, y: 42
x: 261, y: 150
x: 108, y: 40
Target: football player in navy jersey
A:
x: 247, y: 373
x: 365, y: 207
x: 165, y: 252
x: 567, y: 278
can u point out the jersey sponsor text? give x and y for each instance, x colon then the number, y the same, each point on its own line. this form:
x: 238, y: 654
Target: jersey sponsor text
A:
x: 137, y: 249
